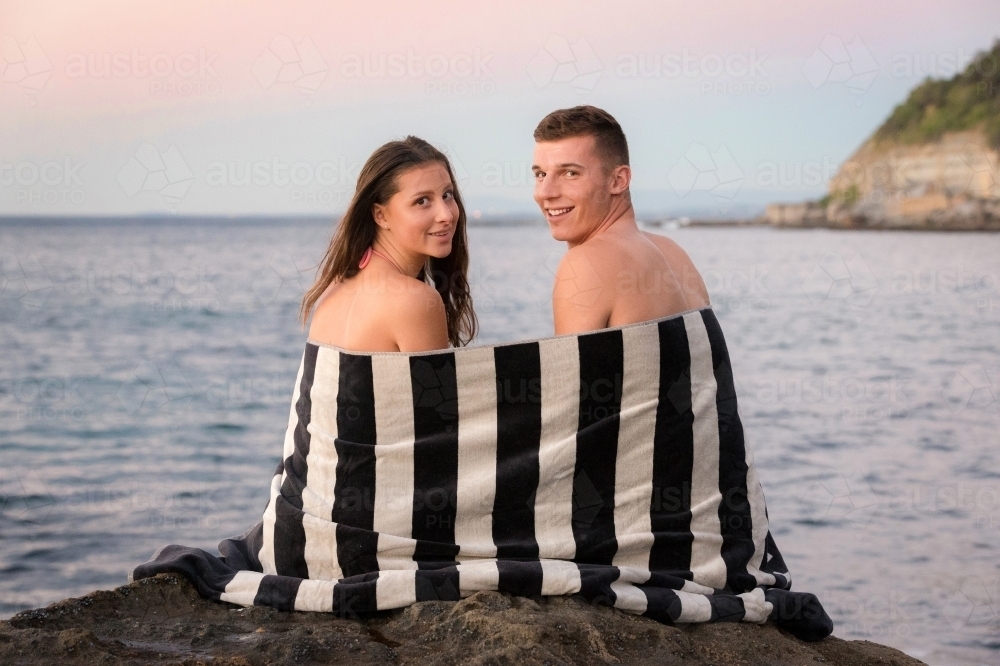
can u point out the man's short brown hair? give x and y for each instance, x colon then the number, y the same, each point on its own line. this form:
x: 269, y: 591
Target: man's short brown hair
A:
x: 609, y: 139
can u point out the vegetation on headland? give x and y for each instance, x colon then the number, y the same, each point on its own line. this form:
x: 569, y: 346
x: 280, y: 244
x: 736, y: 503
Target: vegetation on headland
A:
x: 969, y: 100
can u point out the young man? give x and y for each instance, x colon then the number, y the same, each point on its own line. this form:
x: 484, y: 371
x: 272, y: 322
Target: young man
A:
x: 614, y: 273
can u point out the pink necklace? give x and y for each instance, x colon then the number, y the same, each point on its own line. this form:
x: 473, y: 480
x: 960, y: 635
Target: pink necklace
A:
x: 367, y: 256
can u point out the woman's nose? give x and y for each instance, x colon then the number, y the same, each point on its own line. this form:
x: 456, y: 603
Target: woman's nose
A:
x: 445, y: 212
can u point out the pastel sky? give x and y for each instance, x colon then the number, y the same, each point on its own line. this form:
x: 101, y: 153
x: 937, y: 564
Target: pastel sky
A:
x: 264, y: 107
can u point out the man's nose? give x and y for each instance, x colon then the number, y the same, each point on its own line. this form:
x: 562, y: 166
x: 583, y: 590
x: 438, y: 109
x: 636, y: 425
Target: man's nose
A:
x: 545, y: 188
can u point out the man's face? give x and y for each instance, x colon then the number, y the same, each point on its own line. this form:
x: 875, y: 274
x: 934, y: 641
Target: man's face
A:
x: 572, y: 187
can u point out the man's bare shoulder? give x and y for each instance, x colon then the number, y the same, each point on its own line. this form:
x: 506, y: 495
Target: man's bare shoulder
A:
x: 580, y: 276
x: 666, y: 245
x: 682, y: 266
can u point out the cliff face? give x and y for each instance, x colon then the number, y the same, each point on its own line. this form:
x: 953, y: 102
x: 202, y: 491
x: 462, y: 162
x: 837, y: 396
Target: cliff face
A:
x: 163, y: 620
x: 950, y: 183
x: 933, y: 164
x: 958, y: 164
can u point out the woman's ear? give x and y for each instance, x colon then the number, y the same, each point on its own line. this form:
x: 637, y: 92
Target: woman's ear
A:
x: 378, y: 214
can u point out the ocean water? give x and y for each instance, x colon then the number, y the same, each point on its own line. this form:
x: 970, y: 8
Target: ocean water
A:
x: 147, y: 371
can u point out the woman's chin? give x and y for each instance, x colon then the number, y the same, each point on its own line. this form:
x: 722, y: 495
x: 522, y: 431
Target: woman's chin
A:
x: 439, y: 250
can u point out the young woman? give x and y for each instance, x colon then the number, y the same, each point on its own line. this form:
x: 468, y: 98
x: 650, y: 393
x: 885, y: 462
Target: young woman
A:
x: 394, y: 276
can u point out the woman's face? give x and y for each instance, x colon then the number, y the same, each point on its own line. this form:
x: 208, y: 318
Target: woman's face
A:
x: 421, y: 217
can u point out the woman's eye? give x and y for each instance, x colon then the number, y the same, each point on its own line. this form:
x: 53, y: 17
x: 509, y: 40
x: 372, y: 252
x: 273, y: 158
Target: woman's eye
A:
x: 421, y: 201
x: 448, y: 195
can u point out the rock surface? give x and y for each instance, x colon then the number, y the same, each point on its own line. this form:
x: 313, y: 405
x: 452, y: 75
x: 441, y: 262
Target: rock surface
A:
x: 163, y: 620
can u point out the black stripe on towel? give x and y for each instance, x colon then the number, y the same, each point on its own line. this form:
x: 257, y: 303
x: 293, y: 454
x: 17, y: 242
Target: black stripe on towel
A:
x: 437, y: 584
x: 435, y: 456
x: 673, y: 457
x: 662, y: 604
x: 289, y: 535
x: 354, y: 489
x: 734, y: 509
x: 355, y: 595
x: 520, y: 577
x: 601, y: 372
x: 595, y: 583
x: 278, y: 592
x: 519, y: 431
x: 726, y: 608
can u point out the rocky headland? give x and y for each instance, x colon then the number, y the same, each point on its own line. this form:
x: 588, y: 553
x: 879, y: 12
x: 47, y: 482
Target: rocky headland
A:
x: 163, y: 620
x: 934, y: 164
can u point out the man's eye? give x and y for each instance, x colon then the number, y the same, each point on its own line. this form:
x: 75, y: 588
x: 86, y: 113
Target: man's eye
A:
x: 571, y: 173
x: 539, y: 175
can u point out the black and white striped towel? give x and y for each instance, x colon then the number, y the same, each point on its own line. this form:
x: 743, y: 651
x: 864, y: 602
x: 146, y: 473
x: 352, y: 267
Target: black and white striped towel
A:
x: 610, y: 464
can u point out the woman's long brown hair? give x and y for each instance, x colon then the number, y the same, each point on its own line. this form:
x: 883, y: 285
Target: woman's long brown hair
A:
x: 377, y: 182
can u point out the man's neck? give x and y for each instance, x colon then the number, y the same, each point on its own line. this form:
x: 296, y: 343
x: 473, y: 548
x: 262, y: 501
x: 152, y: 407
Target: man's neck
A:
x: 621, y: 217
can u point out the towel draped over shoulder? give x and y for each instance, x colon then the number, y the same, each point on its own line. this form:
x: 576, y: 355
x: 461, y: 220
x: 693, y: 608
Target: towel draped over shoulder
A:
x: 610, y: 464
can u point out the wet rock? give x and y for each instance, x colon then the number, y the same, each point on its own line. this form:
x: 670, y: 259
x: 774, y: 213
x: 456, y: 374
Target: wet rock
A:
x: 163, y: 620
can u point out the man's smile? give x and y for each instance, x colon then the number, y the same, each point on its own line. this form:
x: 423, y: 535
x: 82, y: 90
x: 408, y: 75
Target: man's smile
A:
x: 558, y: 212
